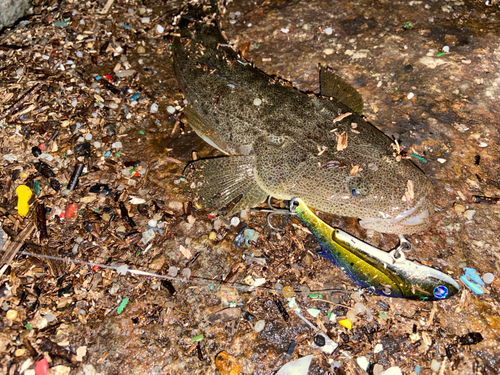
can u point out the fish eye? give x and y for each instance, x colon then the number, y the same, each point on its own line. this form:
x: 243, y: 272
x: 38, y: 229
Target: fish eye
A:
x: 358, y: 187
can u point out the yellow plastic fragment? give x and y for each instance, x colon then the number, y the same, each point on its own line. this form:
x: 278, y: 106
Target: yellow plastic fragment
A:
x: 288, y: 291
x: 345, y: 323
x: 23, y: 196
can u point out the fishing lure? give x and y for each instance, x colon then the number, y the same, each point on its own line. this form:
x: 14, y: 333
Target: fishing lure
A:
x: 386, y: 274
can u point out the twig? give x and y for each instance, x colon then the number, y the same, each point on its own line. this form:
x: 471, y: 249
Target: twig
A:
x: 21, y: 100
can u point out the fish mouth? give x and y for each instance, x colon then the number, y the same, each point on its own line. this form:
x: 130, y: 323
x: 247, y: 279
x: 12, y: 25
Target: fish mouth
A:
x: 410, y: 221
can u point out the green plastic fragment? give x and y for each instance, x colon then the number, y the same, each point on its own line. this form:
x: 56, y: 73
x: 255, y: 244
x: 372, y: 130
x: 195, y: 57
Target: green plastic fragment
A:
x: 96, y: 210
x: 197, y: 338
x: 138, y: 252
x: 28, y: 326
x: 395, y: 88
x: 383, y: 315
x: 118, y: 153
x: 441, y: 54
x: 314, y: 312
x: 60, y: 24
x: 64, y: 156
x: 36, y: 185
x: 232, y: 304
x: 258, y: 45
x: 123, y: 303
x: 141, y: 132
x: 408, y: 24
x: 211, y: 287
x: 419, y: 158
x: 132, y: 170
x: 320, y: 296
x: 169, y: 47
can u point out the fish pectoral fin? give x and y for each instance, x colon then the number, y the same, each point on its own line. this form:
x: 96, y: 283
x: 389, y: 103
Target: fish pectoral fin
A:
x: 334, y: 86
x: 223, y: 180
x: 206, y: 132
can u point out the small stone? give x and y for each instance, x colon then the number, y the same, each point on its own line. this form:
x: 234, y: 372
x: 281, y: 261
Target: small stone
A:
x: 191, y: 219
x: 483, y: 144
x: 378, y: 369
x: 118, y: 145
x: 488, y: 278
x: 217, y: 224
x: 154, y: 108
x: 378, y: 348
x: 351, y: 315
x: 435, y: 365
x: 11, y: 314
x: 186, y: 273
x: 328, y: 51
x: 160, y: 29
x: 408, y: 68
x: 171, y: 109
x: 359, y: 307
x: 319, y: 340
x: 20, y: 352
x: 469, y: 214
x: 172, y: 271
x: 141, y: 49
x: 88, y: 137
x: 157, y: 263
x: 177, y: 206
x: 392, y: 371
x: 50, y: 317
x: 459, y: 208
x: 260, y: 325
x: 147, y: 236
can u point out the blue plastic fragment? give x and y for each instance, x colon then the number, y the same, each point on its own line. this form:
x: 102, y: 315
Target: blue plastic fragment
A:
x: 441, y: 292
x: 135, y: 96
x: 127, y: 27
x: 98, y: 78
x: 417, y: 369
x: 472, y: 280
x: 107, y: 153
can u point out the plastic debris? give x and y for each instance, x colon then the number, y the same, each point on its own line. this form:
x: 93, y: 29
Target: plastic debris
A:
x: 73, y: 181
x: 363, y: 362
x: 328, y: 345
x: 282, y: 310
x: 197, y: 337
x: 319, y: 340
x: 288, y: 292
x: 70, y: 210
x: 472, y: 280
x: 249, y: 316
x: 313, y: 312
x: 23, y: 196
x: 250, y: 236
x: 298, y: 367
x: 41, y: 367
x: 122, y: 305
x: 346, y: 323
x: 290, y: 350
x: 227, y: 364
x: 169, y: 286
x: 488, y: 278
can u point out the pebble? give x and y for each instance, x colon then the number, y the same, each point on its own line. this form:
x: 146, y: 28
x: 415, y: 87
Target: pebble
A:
x: 118, y: 145
x: 153, y: 223
x: 483, y: 144
x: 157, y: 263
x: 217, y: 224
x: 154, y: 108
x: 435, y: 365
x: 259, y: 326
x: 97, y: 144
x: 11, y: 314
x: 378, y: 369
x: 186, y: 273
x: 351, y: 315
x: 288, y: 291
x: 141, y: 49
x: 88, y: 137
x: 160, y: 29
x: 174, y: 205
x: 359, y: 307
x: 20, y: 352
x: 378, y: 348
x: 172, y: 271
x: 171, y: 109
x: 395, y: 370
x: 488, y: 278
x: 328, y: 51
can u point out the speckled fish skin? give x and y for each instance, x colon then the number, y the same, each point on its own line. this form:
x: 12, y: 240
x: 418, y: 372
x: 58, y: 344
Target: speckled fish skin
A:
x: 292, y: 136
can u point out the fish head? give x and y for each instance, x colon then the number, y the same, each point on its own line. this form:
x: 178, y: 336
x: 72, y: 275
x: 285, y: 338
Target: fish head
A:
x: 387, y: 195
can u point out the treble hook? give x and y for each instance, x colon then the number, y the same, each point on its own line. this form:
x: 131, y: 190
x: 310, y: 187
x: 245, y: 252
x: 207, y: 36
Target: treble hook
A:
x: 271, y: 211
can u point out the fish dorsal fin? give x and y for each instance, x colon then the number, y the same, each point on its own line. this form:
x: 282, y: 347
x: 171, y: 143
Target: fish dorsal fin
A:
x: 334, y: 86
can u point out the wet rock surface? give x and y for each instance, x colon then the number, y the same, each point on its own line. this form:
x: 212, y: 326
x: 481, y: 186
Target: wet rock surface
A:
x: 86, y: 84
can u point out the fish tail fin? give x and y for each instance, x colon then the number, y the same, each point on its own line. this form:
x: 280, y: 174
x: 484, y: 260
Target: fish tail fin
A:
x: 226, y: 179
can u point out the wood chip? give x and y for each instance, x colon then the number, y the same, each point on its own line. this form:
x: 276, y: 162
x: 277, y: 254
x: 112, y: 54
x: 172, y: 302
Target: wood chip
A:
x: 321, y: 149
x: 11, y: 247
x: 341, y: 117
x: 354, y: 170
x: 342, y: 141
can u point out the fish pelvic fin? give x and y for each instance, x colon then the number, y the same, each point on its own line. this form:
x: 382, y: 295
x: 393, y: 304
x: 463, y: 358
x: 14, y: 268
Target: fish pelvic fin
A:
x: 226, y: 179
x: 334, y: 86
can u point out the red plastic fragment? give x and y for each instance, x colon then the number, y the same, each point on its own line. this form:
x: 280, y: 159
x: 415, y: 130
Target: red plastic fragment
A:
x: 210, y: 216
x: 95, y: 268
x: 41, y: 367
x: 70, y: 210
x: 41, y: 147
x: 108, y: 77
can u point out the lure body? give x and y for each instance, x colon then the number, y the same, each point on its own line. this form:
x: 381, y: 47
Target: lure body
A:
x: 387, y: 274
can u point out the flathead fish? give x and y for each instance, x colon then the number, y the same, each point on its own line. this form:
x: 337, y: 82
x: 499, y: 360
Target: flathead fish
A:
x: 286, y: 143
